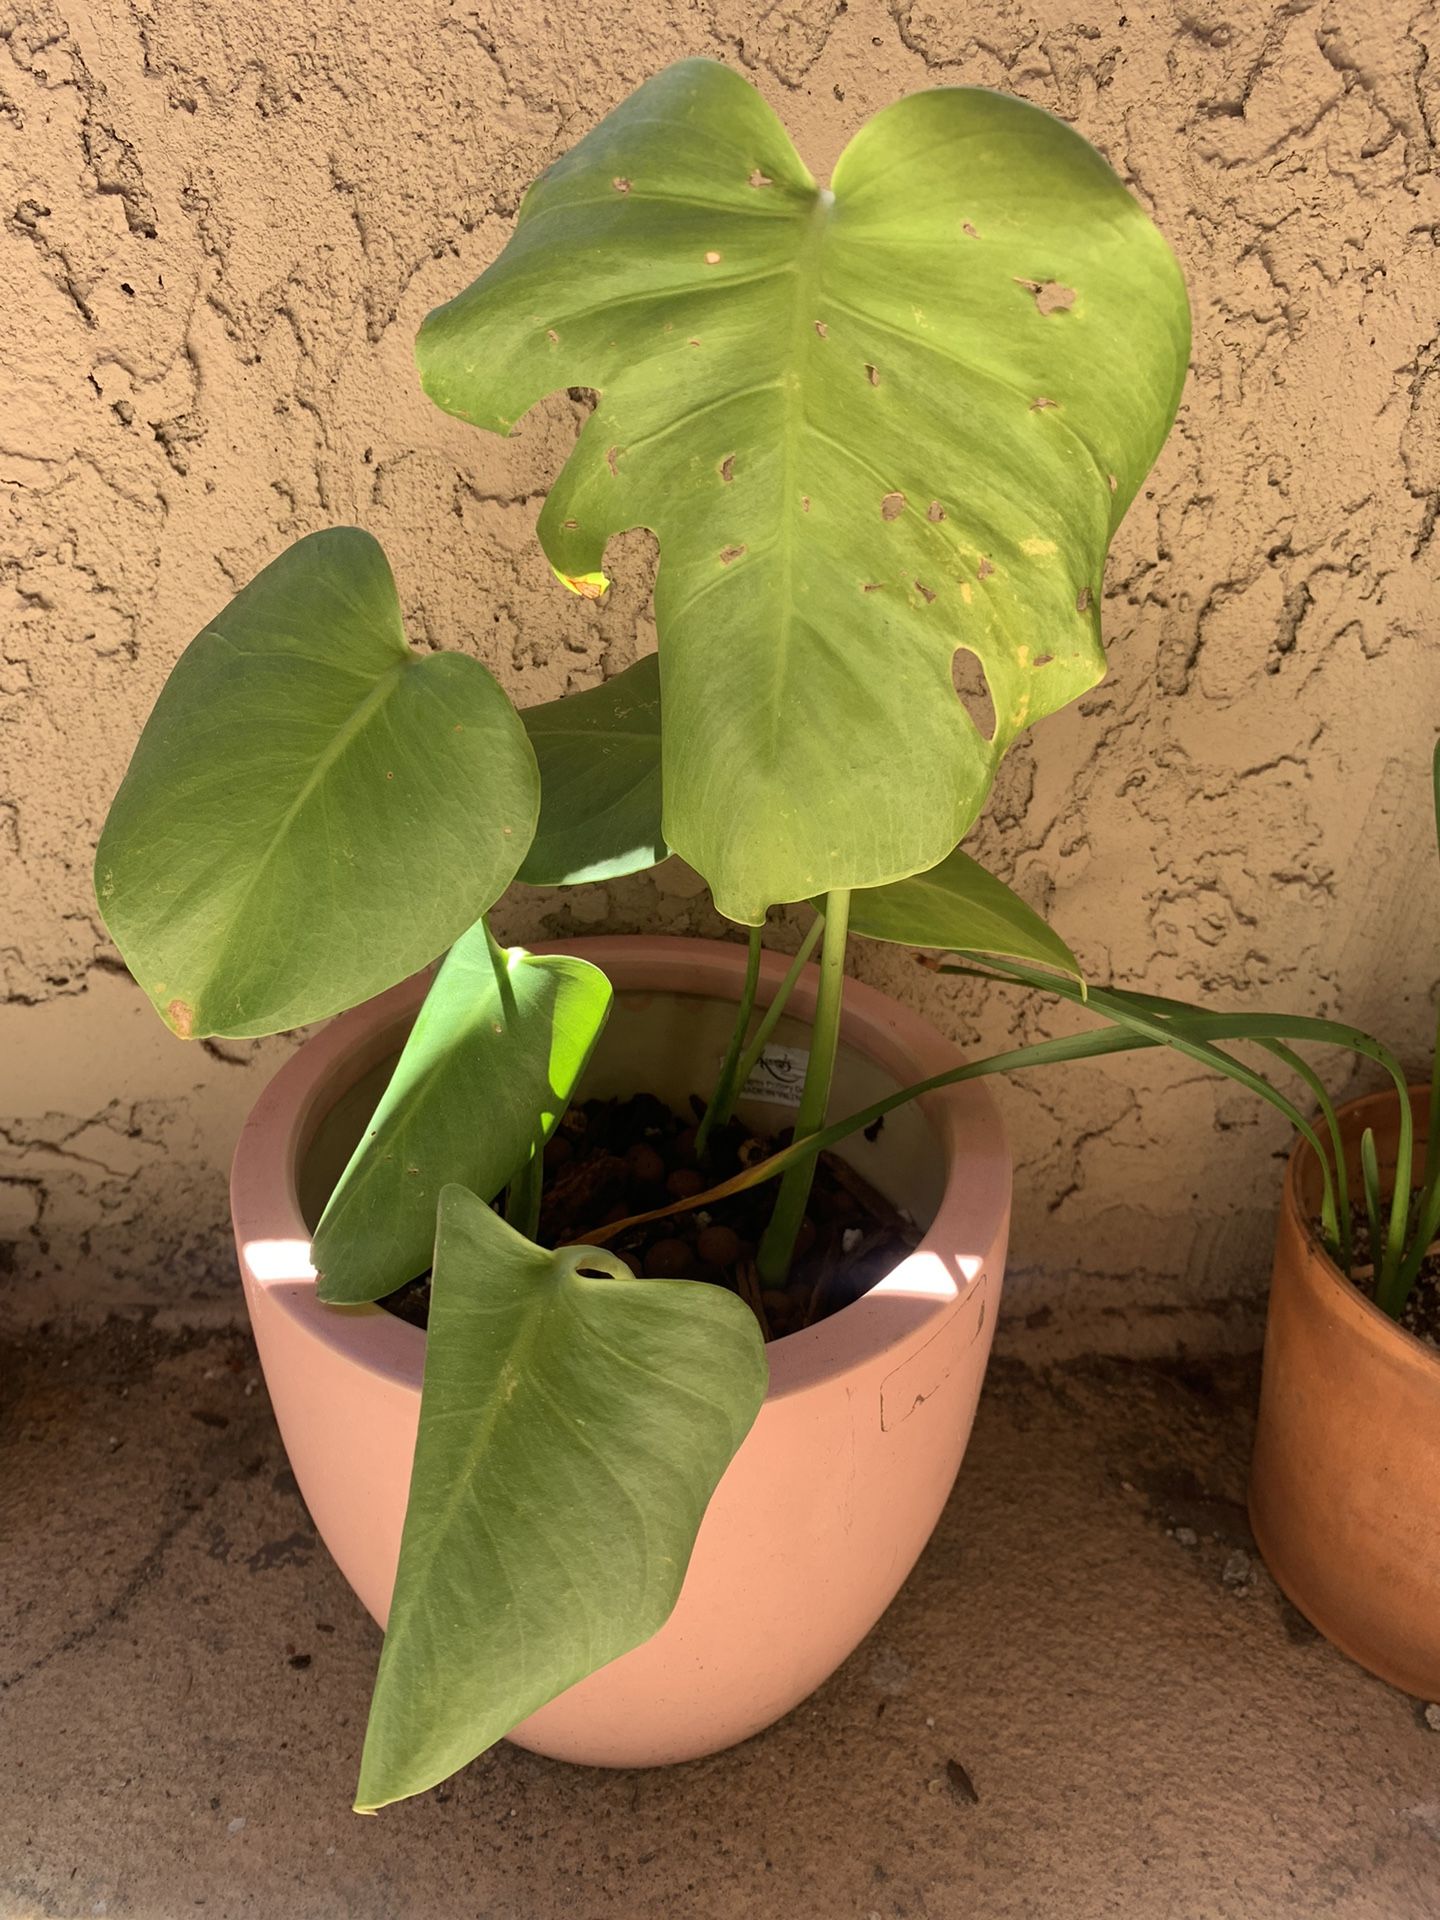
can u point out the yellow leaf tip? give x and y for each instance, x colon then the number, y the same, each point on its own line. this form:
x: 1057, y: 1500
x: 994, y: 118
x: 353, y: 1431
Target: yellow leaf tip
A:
x: 589, y: 586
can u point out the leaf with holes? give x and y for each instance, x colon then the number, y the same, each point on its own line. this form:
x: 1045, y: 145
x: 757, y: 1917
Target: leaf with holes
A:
x: 869, y: 425
x: 312, y: 811
x: 961, y: 908
x: 574, y: 1423
x: 488, y: 1069
x: 599, y: 756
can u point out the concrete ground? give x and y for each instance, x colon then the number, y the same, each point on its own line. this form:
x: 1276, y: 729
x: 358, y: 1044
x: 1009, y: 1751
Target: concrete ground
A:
x: 1089, y: 1700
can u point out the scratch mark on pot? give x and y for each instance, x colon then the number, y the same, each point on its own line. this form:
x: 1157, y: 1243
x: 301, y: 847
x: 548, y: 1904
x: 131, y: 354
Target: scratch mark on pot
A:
x: 727, y: 554
x: 892, y: 506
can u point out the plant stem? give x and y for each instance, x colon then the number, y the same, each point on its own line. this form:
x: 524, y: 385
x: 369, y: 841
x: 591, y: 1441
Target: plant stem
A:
x: 1432, y: 1141
x: 1370, y: 1179
x: 722, y: 1100
x: 777, y: 1246
x: 771, y: 1017
x: 522, y: 1196
x: 1143, y: 1021
x: 1041, y: 1053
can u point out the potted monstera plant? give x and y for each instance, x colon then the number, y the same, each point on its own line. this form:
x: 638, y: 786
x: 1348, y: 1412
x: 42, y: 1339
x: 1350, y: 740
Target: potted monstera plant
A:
x: 874, y: 427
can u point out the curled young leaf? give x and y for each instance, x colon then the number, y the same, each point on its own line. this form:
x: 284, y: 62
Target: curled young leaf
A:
x: 488, y: 1069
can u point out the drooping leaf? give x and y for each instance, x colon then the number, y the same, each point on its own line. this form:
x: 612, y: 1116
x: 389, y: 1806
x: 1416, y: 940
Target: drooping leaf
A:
x: 868, y: 426
x: 488, y: 1069
x: 599, y: 755
x: 960, y: 907
x: 312, y: 811
x: 573, y: 1425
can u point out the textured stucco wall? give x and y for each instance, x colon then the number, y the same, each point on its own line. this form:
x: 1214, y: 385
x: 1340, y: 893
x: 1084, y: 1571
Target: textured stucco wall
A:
x: 222, y: 223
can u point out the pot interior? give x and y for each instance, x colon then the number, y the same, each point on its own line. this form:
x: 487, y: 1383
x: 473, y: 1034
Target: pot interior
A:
x: 670, y: 1044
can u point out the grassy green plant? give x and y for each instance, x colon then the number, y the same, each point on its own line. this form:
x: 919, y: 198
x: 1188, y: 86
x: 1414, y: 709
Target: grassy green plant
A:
x: 872, y: 426
x: 1400, y: 1234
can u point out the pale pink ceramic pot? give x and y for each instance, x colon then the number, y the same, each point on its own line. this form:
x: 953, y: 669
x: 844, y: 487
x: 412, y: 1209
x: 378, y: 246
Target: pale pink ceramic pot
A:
x: 839, y: 1484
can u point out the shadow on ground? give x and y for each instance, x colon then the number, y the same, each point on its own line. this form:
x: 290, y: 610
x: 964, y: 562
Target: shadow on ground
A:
x: 1089, y: 1700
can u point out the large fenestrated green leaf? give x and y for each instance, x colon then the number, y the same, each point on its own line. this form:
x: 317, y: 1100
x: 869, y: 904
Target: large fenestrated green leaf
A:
x: 574, y: 1423
x: 961, y: 908
x: 869, y: 425
x: 312, y: 811
x: 488, y: 1069
x: 599, y: 756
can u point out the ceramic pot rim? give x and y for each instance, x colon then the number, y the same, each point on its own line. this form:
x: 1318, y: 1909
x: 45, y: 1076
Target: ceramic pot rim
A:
x: 1362, y: 1313
x: 273, y: 1240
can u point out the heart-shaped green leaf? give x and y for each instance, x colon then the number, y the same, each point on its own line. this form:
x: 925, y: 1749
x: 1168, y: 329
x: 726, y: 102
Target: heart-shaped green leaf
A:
x: 574, y: 1423
x: 312, y: 811
x: 488, y: 1069
x: 599, y: 756
x: 962, y: 908
x: 868, y: 426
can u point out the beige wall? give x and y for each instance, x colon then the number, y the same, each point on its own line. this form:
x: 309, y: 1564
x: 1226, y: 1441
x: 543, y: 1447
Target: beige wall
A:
x: 223, y: 221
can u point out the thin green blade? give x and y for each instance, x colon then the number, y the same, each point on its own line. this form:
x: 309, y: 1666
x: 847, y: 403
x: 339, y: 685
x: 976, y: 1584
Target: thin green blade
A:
x: 312, y: 811
x: 490, y: 1065
x: 574, y: 1423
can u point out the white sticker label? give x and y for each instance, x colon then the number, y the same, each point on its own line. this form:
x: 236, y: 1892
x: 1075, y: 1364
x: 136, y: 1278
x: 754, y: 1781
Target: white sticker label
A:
x: 778, y: 1076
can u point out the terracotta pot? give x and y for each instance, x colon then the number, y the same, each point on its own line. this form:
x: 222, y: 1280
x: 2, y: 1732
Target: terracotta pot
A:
x: 1345, y: 1481
x: 840, y: 1482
